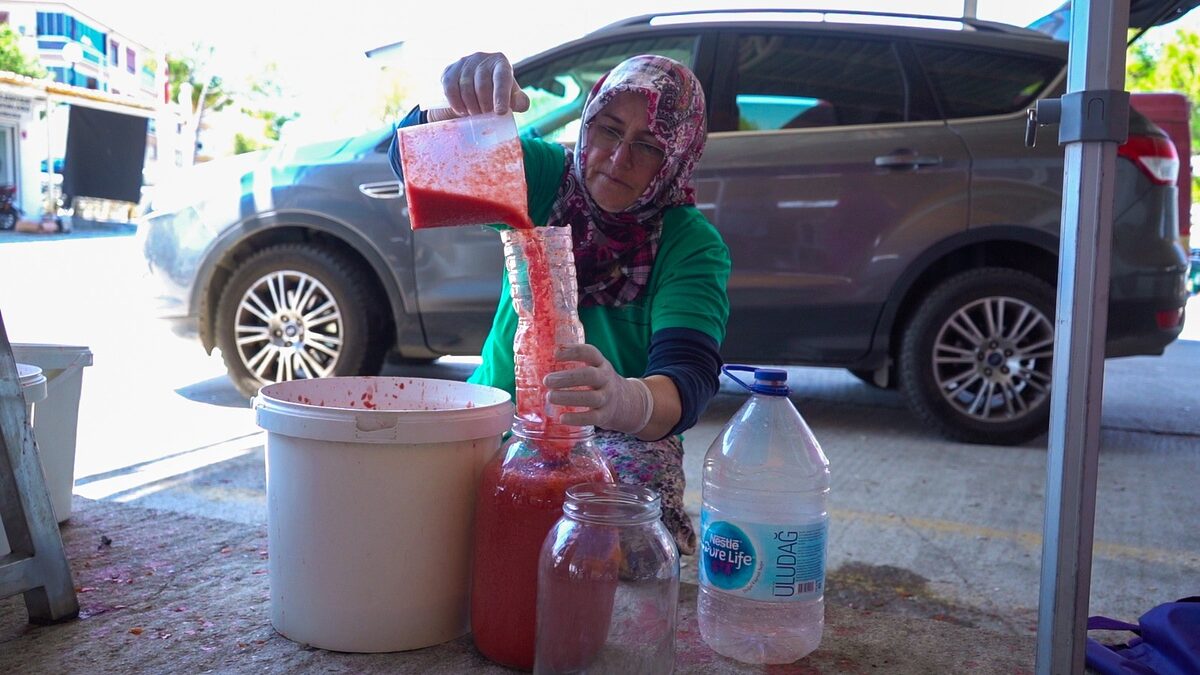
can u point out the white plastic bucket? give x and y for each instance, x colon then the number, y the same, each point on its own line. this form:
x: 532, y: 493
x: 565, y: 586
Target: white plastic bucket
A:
x: 371, y: 486
x: 58, y: 415
x: 33, y: 388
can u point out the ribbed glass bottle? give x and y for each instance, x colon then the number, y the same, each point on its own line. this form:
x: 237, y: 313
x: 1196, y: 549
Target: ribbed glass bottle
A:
x: 541, y: 276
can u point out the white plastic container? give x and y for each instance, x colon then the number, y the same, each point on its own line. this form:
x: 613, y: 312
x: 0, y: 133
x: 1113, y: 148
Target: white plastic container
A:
x: 58, y: 415
x: 764, y: 523
x: 33, y: 388
x: 371, y: 485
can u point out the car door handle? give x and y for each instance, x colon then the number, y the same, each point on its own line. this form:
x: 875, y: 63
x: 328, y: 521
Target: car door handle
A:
x: 906, y: 159
x: 387, y: 189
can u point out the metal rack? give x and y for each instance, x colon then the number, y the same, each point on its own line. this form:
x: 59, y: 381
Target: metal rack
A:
x: 37, y: 565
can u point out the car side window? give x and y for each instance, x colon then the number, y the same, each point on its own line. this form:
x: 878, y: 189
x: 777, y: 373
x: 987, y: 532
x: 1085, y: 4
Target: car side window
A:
x: 974, y: 82
x: 557, y: 90
x: 793, y: 82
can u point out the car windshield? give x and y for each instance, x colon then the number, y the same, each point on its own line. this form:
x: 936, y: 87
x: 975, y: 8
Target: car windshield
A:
x: 558, y: 88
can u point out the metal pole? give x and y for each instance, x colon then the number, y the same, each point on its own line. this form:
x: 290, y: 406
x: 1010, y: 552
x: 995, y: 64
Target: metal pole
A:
x: 1096, y: 61
x: 50, y: 213
x: 970, y: 9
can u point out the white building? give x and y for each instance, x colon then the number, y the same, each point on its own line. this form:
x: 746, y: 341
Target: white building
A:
x: 83, y: 51
x: 91, y: 64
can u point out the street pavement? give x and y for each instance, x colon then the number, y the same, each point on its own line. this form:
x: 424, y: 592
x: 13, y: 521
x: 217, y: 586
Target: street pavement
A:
x: 920, y: 525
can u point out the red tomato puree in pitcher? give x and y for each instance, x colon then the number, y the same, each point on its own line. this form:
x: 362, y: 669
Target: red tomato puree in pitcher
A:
x: 468, y: 204
x: 434, y: 208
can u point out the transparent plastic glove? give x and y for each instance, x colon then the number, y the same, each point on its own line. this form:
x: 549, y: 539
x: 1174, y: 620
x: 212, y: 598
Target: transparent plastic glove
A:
x: 612, y: 402
x: 482, y: 83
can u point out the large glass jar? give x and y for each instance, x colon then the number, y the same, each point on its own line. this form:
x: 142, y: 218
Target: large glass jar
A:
x: 522, y: 489
x: 541, y: 277
x: 608, y: 585
x: 520, y: 498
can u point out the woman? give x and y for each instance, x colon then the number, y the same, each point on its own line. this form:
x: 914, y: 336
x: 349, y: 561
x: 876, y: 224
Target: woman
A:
x: 651, y: 269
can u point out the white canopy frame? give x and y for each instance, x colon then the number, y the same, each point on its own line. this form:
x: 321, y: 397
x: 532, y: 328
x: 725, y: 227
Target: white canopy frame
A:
x: 1096, y: 63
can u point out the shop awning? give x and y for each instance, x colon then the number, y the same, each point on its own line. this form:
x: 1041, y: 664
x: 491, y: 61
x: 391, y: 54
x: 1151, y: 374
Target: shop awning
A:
x: 43, y: 90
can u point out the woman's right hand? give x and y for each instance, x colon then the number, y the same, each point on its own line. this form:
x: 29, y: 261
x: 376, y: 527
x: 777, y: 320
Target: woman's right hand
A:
x: 481, y: 83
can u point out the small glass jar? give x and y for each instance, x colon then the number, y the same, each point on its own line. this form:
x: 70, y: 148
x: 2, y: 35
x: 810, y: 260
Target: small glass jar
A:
x: 608, y: 585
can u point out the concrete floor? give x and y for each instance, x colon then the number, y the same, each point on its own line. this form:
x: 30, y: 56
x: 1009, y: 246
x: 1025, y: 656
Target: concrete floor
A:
x: 164, y: 592
x: 927, y: 535
x: 920, y: 525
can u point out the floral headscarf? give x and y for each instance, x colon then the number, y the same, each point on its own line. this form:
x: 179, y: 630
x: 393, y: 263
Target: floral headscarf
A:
x: 614, y: 252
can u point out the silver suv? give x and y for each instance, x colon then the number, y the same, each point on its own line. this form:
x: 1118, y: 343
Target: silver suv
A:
x: 867, y: 171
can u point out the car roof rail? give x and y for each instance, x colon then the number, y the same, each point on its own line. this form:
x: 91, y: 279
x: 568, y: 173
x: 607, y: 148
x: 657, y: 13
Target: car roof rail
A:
x: 703, y: 15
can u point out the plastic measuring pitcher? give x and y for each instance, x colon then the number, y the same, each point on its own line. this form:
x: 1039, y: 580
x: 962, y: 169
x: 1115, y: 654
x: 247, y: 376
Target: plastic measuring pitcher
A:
x: 466, y: 171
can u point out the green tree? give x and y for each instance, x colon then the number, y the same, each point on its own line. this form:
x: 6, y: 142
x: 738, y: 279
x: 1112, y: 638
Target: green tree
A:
x: 243, y: 144
x: 208, y: 89
x: 13, y: 59
x: 265, y: 95
x: 1170, y: 66
x: 393, y: 104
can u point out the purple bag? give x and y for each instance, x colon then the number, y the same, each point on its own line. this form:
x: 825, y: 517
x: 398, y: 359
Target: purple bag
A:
x: 1167, y: 642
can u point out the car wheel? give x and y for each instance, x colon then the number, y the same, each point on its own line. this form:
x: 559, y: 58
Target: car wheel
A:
x: 975, y: 360
x: 296, y: 311
x: 8, y: 220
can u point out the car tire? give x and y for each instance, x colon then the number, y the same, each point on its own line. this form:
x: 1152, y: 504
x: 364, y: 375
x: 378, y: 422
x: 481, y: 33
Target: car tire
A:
x: 320, y: 325
x: 8, y: 220
x: 975, y: 360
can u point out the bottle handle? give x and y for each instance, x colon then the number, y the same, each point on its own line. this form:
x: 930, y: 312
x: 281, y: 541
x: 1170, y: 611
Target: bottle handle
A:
x: 733, y: 366
x: 781, y: 390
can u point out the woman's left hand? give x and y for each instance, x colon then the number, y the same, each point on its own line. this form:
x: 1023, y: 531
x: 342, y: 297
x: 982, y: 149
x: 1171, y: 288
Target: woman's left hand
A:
x: 611, y: 402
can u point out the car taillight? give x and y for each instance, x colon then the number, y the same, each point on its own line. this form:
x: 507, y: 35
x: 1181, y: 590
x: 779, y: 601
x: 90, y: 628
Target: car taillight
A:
x: 1168, y: 319
x: 1154, y: 155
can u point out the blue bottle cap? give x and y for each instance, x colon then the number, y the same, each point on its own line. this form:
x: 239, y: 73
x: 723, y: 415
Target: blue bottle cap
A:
x: 772, y: 375
x: 771, y: 381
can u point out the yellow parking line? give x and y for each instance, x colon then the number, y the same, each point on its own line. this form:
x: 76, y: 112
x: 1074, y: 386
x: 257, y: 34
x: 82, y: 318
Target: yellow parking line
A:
x: 1031, y: 540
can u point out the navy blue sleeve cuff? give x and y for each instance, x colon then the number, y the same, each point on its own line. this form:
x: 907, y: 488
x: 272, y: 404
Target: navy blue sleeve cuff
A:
x: 414, y: 117
x: 692, y: 359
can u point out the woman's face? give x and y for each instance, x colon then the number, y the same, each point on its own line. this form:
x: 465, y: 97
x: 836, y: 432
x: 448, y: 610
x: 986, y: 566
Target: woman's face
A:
x: 622, y: 155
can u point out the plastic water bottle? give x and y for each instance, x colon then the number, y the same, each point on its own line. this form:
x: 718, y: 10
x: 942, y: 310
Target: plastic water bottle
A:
x: 764, y: 524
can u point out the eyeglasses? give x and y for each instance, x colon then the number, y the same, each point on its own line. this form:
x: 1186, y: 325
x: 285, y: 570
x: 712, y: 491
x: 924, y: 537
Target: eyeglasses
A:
x: 608, y: 139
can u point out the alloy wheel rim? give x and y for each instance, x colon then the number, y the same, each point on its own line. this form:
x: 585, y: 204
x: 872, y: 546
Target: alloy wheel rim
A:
x: 288, y: 326
x: 992, y: 359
